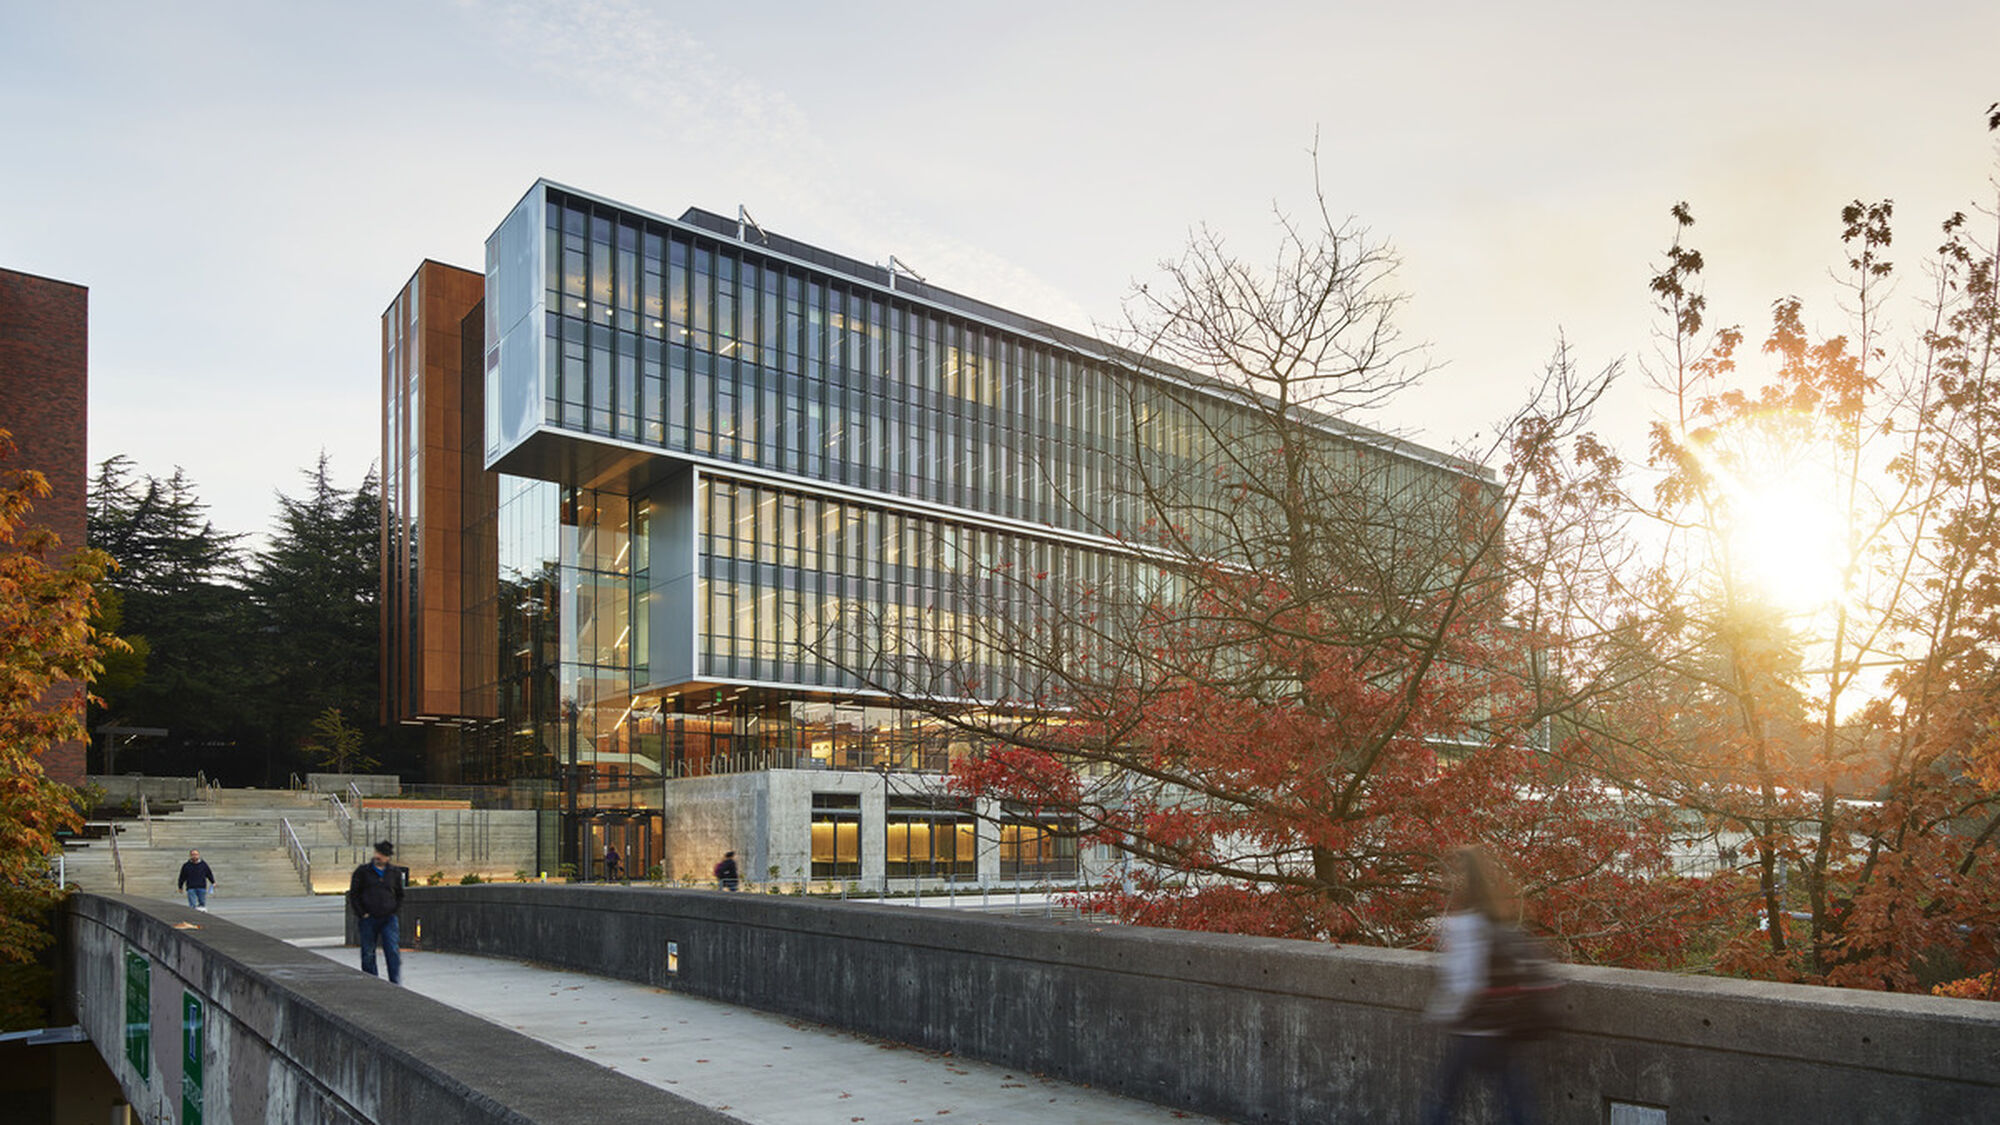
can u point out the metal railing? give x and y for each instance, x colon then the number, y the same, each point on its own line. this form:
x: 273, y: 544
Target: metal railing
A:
x: 342, y: 817
x: 360, y: 802
x: 117, y: 863
x: 896, y: 759
x: 146, y: 814
x: 301, y: 862
x: 489, y: 796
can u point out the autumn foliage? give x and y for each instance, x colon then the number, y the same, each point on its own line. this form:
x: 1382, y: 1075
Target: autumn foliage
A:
x: 1706, y: 732
x: 47, y: 650
x: 1315, y: 682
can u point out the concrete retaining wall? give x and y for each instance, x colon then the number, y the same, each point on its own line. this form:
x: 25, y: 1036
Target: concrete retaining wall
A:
x: 128, y: 788
x: 370, y: 784
x: 1253, y: 1029
x: 495, y: 843
x: 290, y: 1036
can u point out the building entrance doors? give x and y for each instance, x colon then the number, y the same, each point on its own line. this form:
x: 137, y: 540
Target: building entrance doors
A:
x: 634, y: 839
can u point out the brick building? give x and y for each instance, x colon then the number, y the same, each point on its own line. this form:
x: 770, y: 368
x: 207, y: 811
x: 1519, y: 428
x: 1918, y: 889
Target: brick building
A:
x: 44, y: 388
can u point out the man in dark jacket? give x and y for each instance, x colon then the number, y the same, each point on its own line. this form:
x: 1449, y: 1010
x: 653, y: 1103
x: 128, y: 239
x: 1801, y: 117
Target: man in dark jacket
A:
x: 375, y: 894
x: 196, y: 878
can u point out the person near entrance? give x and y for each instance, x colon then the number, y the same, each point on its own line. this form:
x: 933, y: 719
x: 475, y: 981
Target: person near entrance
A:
x: 725, y: 871
x: 198, y: 879
x: 375, y: 895
x: 614, y: 864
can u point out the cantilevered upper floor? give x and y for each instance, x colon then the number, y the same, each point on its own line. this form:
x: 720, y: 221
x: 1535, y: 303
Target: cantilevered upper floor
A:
x: 622, y: 346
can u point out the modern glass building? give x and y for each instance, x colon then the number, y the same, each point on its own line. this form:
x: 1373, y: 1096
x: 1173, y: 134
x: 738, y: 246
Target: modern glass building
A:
x: 675, y: 508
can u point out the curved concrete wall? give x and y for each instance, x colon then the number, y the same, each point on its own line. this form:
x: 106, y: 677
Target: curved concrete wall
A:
x: 292, y: 1037
x: 1253, y: 1029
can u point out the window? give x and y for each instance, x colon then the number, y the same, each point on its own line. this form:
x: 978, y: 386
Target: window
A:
x: 930, y: 839
x: 836, y: 836
x: 1039, y: 846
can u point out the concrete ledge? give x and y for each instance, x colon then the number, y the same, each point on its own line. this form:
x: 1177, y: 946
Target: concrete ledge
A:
x: 291, y: 1036
x: 1254, y: 1029
x: 128, y: 788
x: 370, y: 784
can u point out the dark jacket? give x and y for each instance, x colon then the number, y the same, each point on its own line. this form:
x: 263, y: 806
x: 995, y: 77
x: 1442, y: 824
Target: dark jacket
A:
x: 375, y: 892
x: 195, y: 875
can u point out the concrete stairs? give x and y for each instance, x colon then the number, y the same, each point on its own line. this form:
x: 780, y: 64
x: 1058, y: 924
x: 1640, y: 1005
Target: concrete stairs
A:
x: 237, y: 832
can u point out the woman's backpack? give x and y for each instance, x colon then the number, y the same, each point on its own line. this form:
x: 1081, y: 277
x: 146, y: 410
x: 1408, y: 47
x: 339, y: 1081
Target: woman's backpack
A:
x: 1521, y: 997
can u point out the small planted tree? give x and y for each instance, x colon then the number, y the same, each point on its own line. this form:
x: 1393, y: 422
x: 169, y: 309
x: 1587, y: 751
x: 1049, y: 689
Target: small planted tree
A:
x: 337, y: 746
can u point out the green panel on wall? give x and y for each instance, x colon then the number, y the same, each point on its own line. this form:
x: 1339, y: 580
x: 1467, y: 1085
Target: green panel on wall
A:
x: 139, y: 1013
x: 192, y: 1017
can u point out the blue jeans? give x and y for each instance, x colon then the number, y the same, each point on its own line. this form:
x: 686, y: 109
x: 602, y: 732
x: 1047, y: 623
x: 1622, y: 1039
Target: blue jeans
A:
x: 197, y: 897
x: 383, y: 930
x: 1490, y: 1056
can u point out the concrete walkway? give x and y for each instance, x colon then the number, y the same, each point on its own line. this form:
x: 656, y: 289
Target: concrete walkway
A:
x: 755, y: 1066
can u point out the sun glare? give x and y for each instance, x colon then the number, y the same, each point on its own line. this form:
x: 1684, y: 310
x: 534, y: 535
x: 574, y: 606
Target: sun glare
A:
x: 1789, y: 543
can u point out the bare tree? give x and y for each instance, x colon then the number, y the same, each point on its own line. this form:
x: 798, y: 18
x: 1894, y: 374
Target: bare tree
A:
x: 1283, y: 669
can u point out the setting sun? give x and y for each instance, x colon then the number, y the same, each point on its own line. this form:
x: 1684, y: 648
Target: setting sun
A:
x: 1788, y: 541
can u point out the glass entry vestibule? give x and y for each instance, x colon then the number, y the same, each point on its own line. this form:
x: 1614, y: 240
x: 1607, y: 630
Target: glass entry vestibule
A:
x: 634, y: 835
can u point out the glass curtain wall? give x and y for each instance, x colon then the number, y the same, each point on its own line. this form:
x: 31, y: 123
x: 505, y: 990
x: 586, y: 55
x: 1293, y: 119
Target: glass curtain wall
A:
x: 744, y: 731
x: 819, y: 591
x: 401, y: 496
x: 523, y: 749
x: 670, y: 338
x: 568, y: 639
x: 657, y: 335
x: 400, y: 577
x: 607, y: 758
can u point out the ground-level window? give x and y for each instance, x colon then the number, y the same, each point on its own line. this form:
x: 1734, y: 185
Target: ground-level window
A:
x: 836, y: 836
x: 930, y: 838
x: 1037, y: 846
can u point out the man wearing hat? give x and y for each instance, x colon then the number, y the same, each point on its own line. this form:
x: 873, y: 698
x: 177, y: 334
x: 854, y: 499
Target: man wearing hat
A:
x: 375, y: 894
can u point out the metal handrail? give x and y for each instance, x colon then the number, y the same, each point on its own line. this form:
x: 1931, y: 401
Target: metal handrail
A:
x: 117, y: 863
x: 342, y: 817
x: 301, y: 862
x: 360, y: 802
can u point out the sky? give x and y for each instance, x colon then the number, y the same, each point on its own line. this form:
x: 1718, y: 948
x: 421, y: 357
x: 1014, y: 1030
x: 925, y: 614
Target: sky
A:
x: 244, y: 186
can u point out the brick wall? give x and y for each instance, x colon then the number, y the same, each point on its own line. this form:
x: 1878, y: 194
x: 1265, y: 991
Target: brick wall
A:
x: 44, y: 402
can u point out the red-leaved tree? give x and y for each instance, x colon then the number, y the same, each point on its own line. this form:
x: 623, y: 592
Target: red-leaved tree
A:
x: 1305, y: 660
